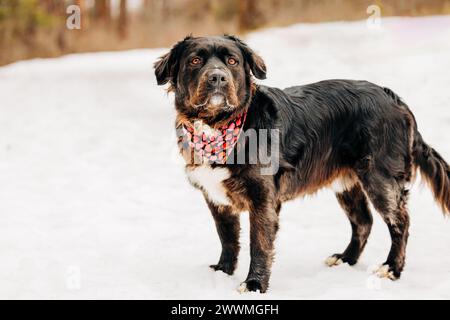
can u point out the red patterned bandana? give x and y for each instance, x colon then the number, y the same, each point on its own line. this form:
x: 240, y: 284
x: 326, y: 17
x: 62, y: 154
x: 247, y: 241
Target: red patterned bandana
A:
x: 212, y: 145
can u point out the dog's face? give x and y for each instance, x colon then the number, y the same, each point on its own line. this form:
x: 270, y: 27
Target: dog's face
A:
x: 210, y: 76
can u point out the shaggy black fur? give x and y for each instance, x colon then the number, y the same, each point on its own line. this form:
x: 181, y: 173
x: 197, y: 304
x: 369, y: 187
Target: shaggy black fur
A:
x: 351, y: 131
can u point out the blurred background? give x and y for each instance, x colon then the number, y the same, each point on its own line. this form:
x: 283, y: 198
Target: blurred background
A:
x: 37, y: 28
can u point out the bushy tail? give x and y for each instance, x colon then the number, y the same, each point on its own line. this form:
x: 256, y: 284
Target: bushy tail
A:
x: 435, y: 171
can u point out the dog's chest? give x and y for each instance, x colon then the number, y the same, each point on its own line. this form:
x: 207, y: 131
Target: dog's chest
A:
x: 211, y: 182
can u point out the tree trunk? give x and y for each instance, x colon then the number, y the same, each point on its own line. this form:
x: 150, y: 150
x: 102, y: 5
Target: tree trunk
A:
x: 56, y: 9
x: 103, y: 10
x: 166, y: 9
x: 249, y: 15
x: 123, y: 19
x: 53, y: 7
x: 84, y: 13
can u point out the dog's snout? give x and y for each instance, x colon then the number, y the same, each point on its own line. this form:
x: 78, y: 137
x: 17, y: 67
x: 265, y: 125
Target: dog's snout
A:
x: 217, y: 78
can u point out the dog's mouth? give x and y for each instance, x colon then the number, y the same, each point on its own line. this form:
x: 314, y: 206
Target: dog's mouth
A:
x: 216, y: 100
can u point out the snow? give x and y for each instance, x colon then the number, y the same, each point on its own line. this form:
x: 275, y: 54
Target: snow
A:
x: 94, y: 202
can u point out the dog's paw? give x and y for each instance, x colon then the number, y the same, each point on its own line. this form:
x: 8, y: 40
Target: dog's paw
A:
x: 388, y: 272
x: 333, y: 261
x: 224, y: 267
x: 252, y: 286
x: 338, y: 259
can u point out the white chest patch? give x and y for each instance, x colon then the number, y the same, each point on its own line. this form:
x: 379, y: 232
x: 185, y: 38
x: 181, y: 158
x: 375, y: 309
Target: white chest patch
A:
x: 211, y: 182
x: 342, y: 184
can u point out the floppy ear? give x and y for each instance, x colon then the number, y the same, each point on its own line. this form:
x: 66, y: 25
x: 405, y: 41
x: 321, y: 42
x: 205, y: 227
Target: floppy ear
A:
x: 162, y: 69
x: 255, y: 62
x: 166, y: 68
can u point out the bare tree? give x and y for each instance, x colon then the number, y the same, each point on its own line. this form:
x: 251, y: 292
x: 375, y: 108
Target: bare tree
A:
x: 250, y: 17
x: 57, y: 9
x: 102, y: 10
x: 123, y: 19
x: 53, y: 7
x: 84, y: 13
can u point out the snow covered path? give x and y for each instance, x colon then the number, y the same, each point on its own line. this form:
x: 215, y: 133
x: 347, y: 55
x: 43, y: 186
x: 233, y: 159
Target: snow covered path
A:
x: 94, y: 202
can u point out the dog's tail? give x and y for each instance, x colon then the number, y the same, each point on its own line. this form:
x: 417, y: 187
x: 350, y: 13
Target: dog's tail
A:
x: 435, y: 171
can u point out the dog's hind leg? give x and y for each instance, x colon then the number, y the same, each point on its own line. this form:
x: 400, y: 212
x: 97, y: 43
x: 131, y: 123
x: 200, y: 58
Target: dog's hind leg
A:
x: 389, y: 196
x: 228, y: 228
x: 354, y: 202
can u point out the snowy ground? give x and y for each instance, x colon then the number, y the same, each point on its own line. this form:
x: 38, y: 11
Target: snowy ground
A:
x: 94, y: 204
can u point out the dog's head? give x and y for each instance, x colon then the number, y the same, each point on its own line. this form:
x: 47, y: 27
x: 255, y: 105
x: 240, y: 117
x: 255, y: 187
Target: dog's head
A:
x: 211, y: 76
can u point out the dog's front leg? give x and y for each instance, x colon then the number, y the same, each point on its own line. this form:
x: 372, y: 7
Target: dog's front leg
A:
x: 228, y: 228
x: 263, y: 230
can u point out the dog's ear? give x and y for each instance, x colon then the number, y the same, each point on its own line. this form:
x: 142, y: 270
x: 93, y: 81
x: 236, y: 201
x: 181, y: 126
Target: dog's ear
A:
x: 255, y: 62
x: 166, y: 68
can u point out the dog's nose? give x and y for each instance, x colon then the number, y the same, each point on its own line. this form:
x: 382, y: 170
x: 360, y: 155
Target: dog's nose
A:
x: 217, y: 78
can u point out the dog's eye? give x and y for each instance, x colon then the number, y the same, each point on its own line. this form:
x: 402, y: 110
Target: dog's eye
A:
x: 232, y: 61
x: 196, y: 61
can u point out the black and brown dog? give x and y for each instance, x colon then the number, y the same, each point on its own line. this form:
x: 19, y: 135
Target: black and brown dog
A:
x: 355, y: 135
